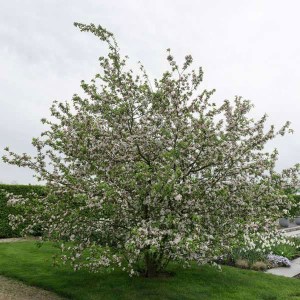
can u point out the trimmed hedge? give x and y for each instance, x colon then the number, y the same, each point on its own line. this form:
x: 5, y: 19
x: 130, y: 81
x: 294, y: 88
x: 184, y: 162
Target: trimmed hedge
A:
x: 23, y: 190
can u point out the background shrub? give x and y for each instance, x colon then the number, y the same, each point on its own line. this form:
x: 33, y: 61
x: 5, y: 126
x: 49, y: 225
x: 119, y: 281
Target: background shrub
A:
x: 23, y: 190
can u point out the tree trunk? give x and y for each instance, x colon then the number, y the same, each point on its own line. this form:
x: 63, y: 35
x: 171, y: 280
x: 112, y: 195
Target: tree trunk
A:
x: 151, y: 266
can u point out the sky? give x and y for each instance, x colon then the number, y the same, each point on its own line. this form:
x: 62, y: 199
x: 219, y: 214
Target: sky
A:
x: 246, y: 48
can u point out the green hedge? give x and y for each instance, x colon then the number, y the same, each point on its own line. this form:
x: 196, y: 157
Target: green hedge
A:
x: 23, y: 190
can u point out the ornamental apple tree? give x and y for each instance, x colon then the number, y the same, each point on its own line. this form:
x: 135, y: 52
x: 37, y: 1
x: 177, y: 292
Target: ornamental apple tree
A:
x: 139, y: 174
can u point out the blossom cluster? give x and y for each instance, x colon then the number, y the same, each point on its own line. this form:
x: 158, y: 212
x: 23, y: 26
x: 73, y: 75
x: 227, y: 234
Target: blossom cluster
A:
x: 264, y: 242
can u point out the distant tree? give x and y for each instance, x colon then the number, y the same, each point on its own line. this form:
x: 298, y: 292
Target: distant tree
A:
x: 141, y: 175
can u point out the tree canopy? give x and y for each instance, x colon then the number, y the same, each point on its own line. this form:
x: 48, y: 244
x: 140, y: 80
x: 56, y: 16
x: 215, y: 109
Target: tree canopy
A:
x: 140, y: 173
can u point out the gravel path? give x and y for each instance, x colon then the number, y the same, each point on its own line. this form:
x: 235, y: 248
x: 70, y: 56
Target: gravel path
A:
x: 13, y: 240
x: 15, y: 290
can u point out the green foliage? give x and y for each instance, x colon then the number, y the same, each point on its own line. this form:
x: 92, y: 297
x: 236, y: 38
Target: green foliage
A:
x: 23, y: 190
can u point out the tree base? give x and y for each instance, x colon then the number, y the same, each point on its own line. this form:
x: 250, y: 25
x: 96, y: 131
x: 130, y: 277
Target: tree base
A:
x: 162, y: 274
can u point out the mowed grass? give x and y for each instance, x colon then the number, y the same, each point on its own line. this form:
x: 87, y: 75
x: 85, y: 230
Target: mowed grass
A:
x: 32, y: 265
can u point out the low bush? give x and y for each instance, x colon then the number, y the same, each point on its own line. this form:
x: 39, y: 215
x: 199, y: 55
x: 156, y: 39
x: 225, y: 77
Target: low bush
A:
x: 242, y: 264
x: 259, y: 266
x: 275, y: 261
x: 23, y: 190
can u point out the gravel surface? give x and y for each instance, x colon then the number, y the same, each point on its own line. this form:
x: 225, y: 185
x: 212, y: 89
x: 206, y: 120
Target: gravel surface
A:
x: 15, y: 290
x: 22, y: 239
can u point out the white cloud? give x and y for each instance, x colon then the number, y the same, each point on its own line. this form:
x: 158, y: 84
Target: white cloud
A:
x: 247, y: 48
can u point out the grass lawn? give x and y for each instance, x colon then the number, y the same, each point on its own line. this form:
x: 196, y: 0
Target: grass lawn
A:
x: 32, y: 265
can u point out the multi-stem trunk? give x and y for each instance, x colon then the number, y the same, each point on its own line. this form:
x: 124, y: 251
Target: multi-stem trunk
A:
x: 151, y: 266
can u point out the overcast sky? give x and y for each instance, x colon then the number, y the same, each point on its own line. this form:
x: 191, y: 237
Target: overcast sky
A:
x: 247, y: 48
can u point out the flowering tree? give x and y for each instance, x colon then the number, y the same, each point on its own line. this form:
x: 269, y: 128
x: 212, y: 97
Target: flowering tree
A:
x: 141, y: 175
